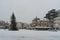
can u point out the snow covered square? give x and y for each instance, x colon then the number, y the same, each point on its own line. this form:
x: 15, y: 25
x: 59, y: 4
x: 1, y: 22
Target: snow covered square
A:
x: 23, y: 34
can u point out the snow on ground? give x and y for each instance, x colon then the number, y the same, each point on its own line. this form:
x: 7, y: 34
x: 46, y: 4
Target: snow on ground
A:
x: 29, y: 35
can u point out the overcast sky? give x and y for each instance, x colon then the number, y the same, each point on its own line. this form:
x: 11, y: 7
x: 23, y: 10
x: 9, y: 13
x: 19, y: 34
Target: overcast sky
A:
x: 26, y: 10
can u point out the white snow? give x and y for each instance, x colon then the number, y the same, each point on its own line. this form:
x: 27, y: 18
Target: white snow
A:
x: 29, y: 35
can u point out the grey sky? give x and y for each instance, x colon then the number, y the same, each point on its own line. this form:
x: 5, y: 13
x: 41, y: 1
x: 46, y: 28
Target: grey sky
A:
x: 26, y: 10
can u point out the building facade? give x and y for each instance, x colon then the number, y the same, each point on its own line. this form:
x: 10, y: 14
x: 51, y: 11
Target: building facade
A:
x: 37, y: 22
x: 44, y: 23
x: 57, y: 20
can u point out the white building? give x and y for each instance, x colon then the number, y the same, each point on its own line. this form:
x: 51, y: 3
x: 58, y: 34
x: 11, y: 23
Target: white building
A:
x: 57, y: 20
x: 21, y: 25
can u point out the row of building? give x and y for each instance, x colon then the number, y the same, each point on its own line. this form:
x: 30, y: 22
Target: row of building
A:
x: 45, y: 22
x: 4, y: 25
x: 19, y: 25
x: 35, y: 22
